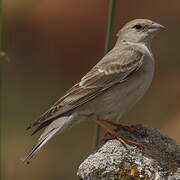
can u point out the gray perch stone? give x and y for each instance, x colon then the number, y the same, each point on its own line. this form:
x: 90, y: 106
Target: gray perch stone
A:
x: 158, y: 159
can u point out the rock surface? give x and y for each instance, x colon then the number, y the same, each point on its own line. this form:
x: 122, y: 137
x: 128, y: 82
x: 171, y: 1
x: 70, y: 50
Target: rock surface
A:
x: 157, y: 159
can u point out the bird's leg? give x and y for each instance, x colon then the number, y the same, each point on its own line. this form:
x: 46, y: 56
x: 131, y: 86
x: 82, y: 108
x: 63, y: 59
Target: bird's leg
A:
x: 112, y: 132
x: 123, y: 140
x: 107, y: 136
x: 123, y: 127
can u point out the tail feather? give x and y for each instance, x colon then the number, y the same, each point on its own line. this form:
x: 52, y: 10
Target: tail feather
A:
x: 55, y: 127
x: 46, y: 123
x: 35, y: 149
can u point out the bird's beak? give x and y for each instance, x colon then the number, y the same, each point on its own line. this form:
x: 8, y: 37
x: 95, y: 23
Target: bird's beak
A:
x: 155, y: 27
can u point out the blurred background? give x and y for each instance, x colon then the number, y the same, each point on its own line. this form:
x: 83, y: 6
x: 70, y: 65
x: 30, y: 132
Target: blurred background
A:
x: 52, y: 44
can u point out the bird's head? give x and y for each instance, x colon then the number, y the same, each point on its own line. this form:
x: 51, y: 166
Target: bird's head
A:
x: 140, y: 30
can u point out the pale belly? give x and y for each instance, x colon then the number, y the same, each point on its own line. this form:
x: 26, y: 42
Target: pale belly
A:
x: 119, y: 99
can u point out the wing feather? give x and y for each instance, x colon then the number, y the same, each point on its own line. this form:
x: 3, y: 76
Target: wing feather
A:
x: 101, y: 77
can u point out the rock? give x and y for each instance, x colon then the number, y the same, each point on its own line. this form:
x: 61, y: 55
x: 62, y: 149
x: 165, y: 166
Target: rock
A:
x: 158, y: 158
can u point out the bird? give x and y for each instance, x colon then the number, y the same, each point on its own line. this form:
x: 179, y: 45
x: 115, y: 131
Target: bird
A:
x: 109, y: 90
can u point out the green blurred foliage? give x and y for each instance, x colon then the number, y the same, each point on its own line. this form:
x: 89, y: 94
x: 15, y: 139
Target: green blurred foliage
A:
x: 52, y: 44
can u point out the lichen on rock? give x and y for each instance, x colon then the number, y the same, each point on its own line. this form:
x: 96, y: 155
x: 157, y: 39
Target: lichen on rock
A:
x: 157, y: 159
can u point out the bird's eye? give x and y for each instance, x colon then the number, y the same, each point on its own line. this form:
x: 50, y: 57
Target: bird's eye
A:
x: 137, y: 26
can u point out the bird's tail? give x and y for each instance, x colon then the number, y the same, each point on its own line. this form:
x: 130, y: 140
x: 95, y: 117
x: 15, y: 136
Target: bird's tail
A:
x: 57, y: 126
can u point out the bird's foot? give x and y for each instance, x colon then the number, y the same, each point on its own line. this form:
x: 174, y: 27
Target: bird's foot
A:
x: 112, y: 134
x: 125, y: 128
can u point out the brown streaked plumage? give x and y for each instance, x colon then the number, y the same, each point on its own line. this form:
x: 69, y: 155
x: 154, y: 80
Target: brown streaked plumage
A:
x: 102, y: 93
x: 96, y: 81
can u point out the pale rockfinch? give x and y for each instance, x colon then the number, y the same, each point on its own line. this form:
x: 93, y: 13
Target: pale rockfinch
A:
x: 109, y: 89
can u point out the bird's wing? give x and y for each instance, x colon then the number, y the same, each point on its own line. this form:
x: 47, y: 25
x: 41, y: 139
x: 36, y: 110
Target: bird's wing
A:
x: 97, y: 80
